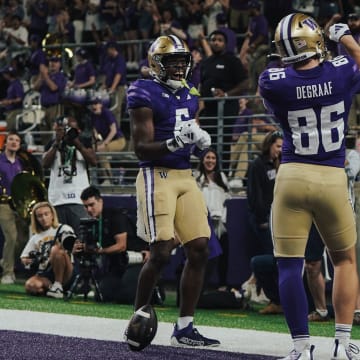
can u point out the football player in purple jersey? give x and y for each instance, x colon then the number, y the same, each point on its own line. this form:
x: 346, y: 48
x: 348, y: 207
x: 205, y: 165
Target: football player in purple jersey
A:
x: 165, y: 134
x: 311, y: 98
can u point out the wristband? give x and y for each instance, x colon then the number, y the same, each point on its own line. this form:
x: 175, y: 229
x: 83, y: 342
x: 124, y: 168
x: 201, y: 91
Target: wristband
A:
x: 172, y: 145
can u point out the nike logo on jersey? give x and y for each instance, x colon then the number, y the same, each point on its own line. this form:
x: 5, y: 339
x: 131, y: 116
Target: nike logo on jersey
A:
x: 188, y: 97
x: 165, y: 95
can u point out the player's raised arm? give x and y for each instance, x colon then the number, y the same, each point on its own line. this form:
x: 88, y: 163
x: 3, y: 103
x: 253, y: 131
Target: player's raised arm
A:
x: 341, y: 33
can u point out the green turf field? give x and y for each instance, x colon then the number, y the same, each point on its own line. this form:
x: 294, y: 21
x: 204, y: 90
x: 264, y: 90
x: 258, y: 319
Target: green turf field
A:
x: 14, y: 297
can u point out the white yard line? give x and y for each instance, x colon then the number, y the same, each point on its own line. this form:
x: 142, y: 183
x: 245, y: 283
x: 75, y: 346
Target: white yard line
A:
x: 234, y: 340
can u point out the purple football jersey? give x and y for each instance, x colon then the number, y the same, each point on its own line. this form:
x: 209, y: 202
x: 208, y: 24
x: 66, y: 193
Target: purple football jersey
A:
x: 312, y: 107
x: 169, y: 110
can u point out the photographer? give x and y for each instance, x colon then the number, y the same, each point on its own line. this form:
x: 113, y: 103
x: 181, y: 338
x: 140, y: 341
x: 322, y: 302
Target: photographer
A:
x: 68, y: 157
x: 112, y: 245
x: 47, y: 253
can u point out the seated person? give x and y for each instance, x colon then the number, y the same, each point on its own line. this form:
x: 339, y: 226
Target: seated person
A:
x: 116, y: 276
x: 47, y: 252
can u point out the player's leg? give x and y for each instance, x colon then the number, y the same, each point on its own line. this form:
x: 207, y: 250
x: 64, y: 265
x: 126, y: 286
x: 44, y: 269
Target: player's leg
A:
x: 156, y: 199
x: 291, y: 222
x: 336, y: 223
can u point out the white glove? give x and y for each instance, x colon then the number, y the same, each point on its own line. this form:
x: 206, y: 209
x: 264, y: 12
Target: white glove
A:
x: 188, y: 132
x: 338, y: 30
x: 205, y: 140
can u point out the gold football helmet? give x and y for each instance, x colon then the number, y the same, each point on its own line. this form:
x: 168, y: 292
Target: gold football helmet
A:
x: 160, y: 50
x: 299, y: 37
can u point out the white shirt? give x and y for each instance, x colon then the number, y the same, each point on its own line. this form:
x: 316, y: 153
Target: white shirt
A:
x: 64, y: 189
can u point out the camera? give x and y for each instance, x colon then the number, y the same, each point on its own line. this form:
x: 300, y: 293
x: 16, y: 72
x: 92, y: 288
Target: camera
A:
x: 36, y: 258
x: 70, y: 132
x: 89, y: 233
x: 67, y: 239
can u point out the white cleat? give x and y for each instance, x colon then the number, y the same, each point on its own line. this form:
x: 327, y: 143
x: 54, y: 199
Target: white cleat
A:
x: 306, y: 354
x: 339, y: 352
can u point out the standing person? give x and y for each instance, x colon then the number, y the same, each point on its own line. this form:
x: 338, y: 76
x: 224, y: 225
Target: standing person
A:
x: 10, y: 166
x: 311, y: 98
x: 12, y: 103
x: 55, y: 269
x: 108, y: 135
x: 115, y: 77
x: 214, y: 186
x: 162, y: 113
x: 222, y: 75
x: 68, y: 157
x: 51, y: 85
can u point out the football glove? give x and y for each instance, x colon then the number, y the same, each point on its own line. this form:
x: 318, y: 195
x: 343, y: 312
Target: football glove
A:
x: 204, y: 141
x: 188, y: 132
x: 338, y: 30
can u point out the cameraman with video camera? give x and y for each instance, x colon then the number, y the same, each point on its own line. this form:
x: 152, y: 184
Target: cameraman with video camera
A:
x: 112, y: 243
x: 48, y: 253
x: 68, y: 157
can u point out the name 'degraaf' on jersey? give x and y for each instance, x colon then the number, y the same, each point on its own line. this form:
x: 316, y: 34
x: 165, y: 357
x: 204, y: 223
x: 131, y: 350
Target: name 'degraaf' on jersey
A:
x: 312, y: 107
x: 169, y: 109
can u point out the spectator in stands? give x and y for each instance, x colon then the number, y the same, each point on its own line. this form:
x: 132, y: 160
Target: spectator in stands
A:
x: 214, y: 186
x: 211, y: 9
x: 131, y: 33
x: 107, y: 134
x: 222, y: 75
x: 115, y: 77
x: 92, y: 19
x: 77, y: 12
x: 38, y: 11
x: 12, y: 103
x: 46, y: 253
x: 68, y: 157
x: 238, y: 16
x: 166, y: 24
x: 64, y: 27
x: 243, y: 121
x: 119, y: 267
x: 248, y: 144
x: 222, y: 25
x: 15, y: 7
x: 10, y: 166
x: 37, y: 58
x: 194, y: 14
x: 197, y: 56
x: 256, y: 44
x: 51, y: 85
x: 16, y: 37
x: 84, y: 71
x: 112, y: 14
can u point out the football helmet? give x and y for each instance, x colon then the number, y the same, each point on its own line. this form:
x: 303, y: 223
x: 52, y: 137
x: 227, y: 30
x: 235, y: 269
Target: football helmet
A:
x: 160, y: 51
x: 299, y: 37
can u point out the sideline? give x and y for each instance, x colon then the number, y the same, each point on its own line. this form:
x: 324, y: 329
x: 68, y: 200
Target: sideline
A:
x: 234, y: 340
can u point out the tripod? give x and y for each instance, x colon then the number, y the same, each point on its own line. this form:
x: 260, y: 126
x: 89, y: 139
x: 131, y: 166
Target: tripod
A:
x: 88, y: 266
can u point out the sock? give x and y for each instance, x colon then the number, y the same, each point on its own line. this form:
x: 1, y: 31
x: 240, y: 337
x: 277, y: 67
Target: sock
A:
x: 343, y: 333
x: 184, y: 321
x: 57, y: 284
x: 293, y: 296
x: 323, y: 313
x: 301, y: 343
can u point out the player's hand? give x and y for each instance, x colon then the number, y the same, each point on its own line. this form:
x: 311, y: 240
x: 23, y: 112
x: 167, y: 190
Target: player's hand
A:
x: 205, y: 140
x: 337, y: 31
x: 188, y: 132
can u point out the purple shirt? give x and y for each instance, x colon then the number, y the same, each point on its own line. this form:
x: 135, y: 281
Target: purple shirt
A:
x: 168, y: 109
x: 242, y: 122
x: 102, y: 122
x: 8, y: 171
x: 14, y: 90
x: 112, y: 66
x: 49, y: 97
x: 312, y: 107
x: 37, y: 58
x: 258, y: 25
x: 83, y: 72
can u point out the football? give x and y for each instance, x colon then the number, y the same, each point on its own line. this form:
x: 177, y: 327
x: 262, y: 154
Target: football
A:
x: 141, y: 329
